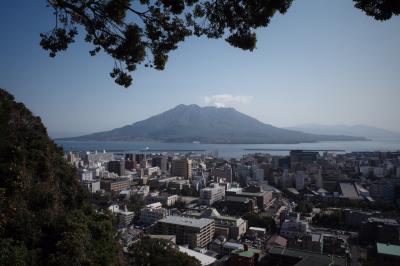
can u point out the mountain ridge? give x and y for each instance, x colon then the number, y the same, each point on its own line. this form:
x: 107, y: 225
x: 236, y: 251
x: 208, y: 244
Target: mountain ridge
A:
x: 349, y: 130
x: 188, y: 123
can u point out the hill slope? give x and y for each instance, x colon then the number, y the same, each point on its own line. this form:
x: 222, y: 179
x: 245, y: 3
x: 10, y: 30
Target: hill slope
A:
x: 355, y: 130
x: 188, y: 123
x: 45, y: 218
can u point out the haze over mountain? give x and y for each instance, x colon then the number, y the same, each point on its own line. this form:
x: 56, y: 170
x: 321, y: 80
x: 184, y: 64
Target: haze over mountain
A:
x: 354, y: 130
x: 188, y: 123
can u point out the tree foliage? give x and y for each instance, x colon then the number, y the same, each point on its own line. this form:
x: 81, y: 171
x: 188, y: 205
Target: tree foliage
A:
x: 257, y: 220
x: 45, y: 218
x: 135, y: 32
x: 154, y: 252
x: 304, y: 207
x: 334, y: 219
x: 135, y: 204
x: 379, y: 9
x: 145, y: 31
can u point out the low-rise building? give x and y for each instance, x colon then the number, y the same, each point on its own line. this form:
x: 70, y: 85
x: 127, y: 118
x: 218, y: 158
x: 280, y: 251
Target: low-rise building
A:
x: 165, y: 199
x: 287, y: 256
x: 191, y: 231
x: 293, y: 227
x: 228, y: 226
x: 379, y: 230
x: 244, y: 257
x: 152, y: 213
x: 91, y: 186
x: 212, y: 194
x: 124, y: 216
x: 114, y: 185
x: 388, y: 254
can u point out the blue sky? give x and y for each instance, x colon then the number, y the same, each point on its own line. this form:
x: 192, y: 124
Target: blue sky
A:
x: 322, y: 62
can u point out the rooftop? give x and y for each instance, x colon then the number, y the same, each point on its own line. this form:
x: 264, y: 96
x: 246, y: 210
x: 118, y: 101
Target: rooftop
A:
x: 323, y: 259
x: 348, y: 190
x: 246, y: 253
x: 204, y: 259
x: 185, y: 221
x: 388, y: 249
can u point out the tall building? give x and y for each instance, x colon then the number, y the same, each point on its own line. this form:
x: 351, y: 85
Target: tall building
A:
x: 194, y: 232
x: 257, y: 173
x: 299, y: 179
x: 160, y: 161
x: 117, y: 167
x: 140, y: 158
x: 243, y: 173
x: 182, y: 167
x: 129, y: 156
x: 223, y: 172
x: 318, y: 179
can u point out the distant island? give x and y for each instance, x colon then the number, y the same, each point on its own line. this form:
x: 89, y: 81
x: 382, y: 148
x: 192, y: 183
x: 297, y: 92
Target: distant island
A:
x: 192, y: 123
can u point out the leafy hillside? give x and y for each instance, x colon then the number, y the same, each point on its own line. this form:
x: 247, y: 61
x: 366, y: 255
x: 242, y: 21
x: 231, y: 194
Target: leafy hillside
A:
x: 44, y: 216
x: 188, y: 123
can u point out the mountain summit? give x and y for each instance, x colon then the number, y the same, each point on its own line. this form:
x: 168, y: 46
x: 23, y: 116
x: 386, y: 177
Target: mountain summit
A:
x: 188, y: 123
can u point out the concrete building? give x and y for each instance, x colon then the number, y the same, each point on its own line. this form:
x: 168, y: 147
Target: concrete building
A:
x: 160, y: 161
x: 205, y: 260
x: 165, y: 199
x: 91, y: 186
x: 152, y: 213
x: 151, y: 171
x: 287, y: 256
x: 293, y: 227
x: 318, y: 179
x: 354, y: 218
x: 258, y: 231
x: 212, y: 194
x: 86, y: 175
x: 244, y: 257
x: 191, y: 231
x: 117, y: 167
x: 143, y: 191
x: 224, y: 172
x: 114, y: 185
x: 349, y: 191
x: 228, y: 226
x: 257, y: 173
x: 125, y: 217
x: 251, y: 192
x: 388, y: 254
x: 243, y: 174
x: 97, y: 157
x: 379, y: 230
x: 182, y: 167
x: 382, y: 189
x: 299, y: 179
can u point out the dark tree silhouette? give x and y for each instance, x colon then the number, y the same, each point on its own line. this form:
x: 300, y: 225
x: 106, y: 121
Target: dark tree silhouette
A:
x: 379, y: 9
x: 136, y: 32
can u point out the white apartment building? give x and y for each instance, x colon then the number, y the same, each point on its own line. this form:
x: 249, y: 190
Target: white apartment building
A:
x: 125, y: 217
x: 212, y: 194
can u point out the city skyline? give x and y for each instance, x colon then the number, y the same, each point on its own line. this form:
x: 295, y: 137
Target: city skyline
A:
x: 319, y: 63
